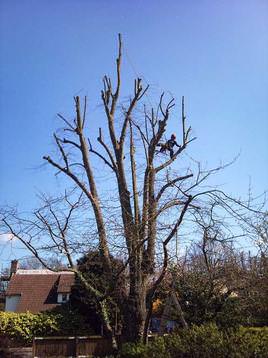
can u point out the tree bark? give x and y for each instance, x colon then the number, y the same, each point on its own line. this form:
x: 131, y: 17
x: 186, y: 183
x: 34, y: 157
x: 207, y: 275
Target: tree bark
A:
x: 135, y: 313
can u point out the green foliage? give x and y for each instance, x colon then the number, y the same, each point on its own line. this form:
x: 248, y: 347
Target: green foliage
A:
x: 70, y: 321
x: 232, y: 314
x: 252, y: 342
x: 205, y: 341
x: 231, y: 293
x: 132, y: 350
x: 20, y: 328
x: 93, y: 271
x: 91, y: 266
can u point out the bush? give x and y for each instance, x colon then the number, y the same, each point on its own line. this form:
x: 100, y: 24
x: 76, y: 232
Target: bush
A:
x: 132, y: 350
x: 202, y: 341
x: 21, y: 328
x: 249, y: 342
x: 205, y: 341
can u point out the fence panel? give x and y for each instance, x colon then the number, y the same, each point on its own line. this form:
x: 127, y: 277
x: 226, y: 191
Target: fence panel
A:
x: 18, y: 352
x: 95, y: 345
x: 44, y: 347
x: 48, y: 347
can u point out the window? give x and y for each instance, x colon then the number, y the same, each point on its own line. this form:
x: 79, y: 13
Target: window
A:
x: 3, y: 286
x: 63, y: 297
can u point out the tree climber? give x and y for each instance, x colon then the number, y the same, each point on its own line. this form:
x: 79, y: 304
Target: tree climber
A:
x: 169, y: 145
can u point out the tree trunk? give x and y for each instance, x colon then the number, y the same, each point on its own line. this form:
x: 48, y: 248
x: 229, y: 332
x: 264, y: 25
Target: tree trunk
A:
x: 135, y: 308
x: 134, y: 317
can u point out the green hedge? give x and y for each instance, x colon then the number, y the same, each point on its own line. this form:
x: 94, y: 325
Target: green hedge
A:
x: 205, y: 341
x: 20, y: 328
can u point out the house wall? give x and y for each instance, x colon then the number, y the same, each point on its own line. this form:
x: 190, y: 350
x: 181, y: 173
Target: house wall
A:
x: 12, y: 303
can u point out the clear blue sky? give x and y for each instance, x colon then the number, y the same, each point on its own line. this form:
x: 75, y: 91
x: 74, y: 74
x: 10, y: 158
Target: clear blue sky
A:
x: 215, y: 53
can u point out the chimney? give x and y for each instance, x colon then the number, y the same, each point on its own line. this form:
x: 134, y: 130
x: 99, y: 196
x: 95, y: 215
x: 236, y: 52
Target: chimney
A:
x: 14, y: 267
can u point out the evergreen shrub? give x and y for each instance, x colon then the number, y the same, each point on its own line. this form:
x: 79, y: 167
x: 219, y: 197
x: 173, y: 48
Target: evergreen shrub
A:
x: 206, y: 341
x: 20, y: 328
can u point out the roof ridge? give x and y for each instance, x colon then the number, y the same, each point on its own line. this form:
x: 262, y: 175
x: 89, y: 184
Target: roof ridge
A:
x: 42, y: 272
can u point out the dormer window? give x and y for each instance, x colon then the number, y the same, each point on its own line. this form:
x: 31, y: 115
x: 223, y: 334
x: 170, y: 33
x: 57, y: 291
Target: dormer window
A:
x: 63, y: 297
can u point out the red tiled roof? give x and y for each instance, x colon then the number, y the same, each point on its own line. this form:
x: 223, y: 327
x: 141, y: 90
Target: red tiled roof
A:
x: 38, y: 291
x: 65, y: 283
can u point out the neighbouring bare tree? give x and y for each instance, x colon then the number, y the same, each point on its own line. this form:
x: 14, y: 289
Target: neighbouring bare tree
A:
x: 154, y: 198
x: 223, y: 285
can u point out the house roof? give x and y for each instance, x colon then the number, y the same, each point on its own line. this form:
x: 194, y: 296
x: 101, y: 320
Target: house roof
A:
x: 38, y: 290
x: 65, y: 283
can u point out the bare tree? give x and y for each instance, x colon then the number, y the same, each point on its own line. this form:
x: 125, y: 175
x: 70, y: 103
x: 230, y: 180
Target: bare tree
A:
x: 154, y: 199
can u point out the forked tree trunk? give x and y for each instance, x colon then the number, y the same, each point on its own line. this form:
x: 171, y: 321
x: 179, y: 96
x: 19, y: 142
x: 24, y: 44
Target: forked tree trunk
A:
x: 138, y: 219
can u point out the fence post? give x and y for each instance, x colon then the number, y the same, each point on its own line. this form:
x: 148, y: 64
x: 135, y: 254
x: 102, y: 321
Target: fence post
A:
x: 33, y: 348
x: 76, y: 343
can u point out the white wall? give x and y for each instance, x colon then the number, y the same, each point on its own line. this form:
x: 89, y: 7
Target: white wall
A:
x: 12, y: 303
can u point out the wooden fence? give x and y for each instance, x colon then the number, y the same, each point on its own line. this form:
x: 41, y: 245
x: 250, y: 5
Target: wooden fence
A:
x: 55, y: 347
x: 18, y: 352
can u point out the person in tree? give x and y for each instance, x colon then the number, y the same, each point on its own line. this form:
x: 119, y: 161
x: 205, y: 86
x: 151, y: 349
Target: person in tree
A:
x: 169, y: 145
